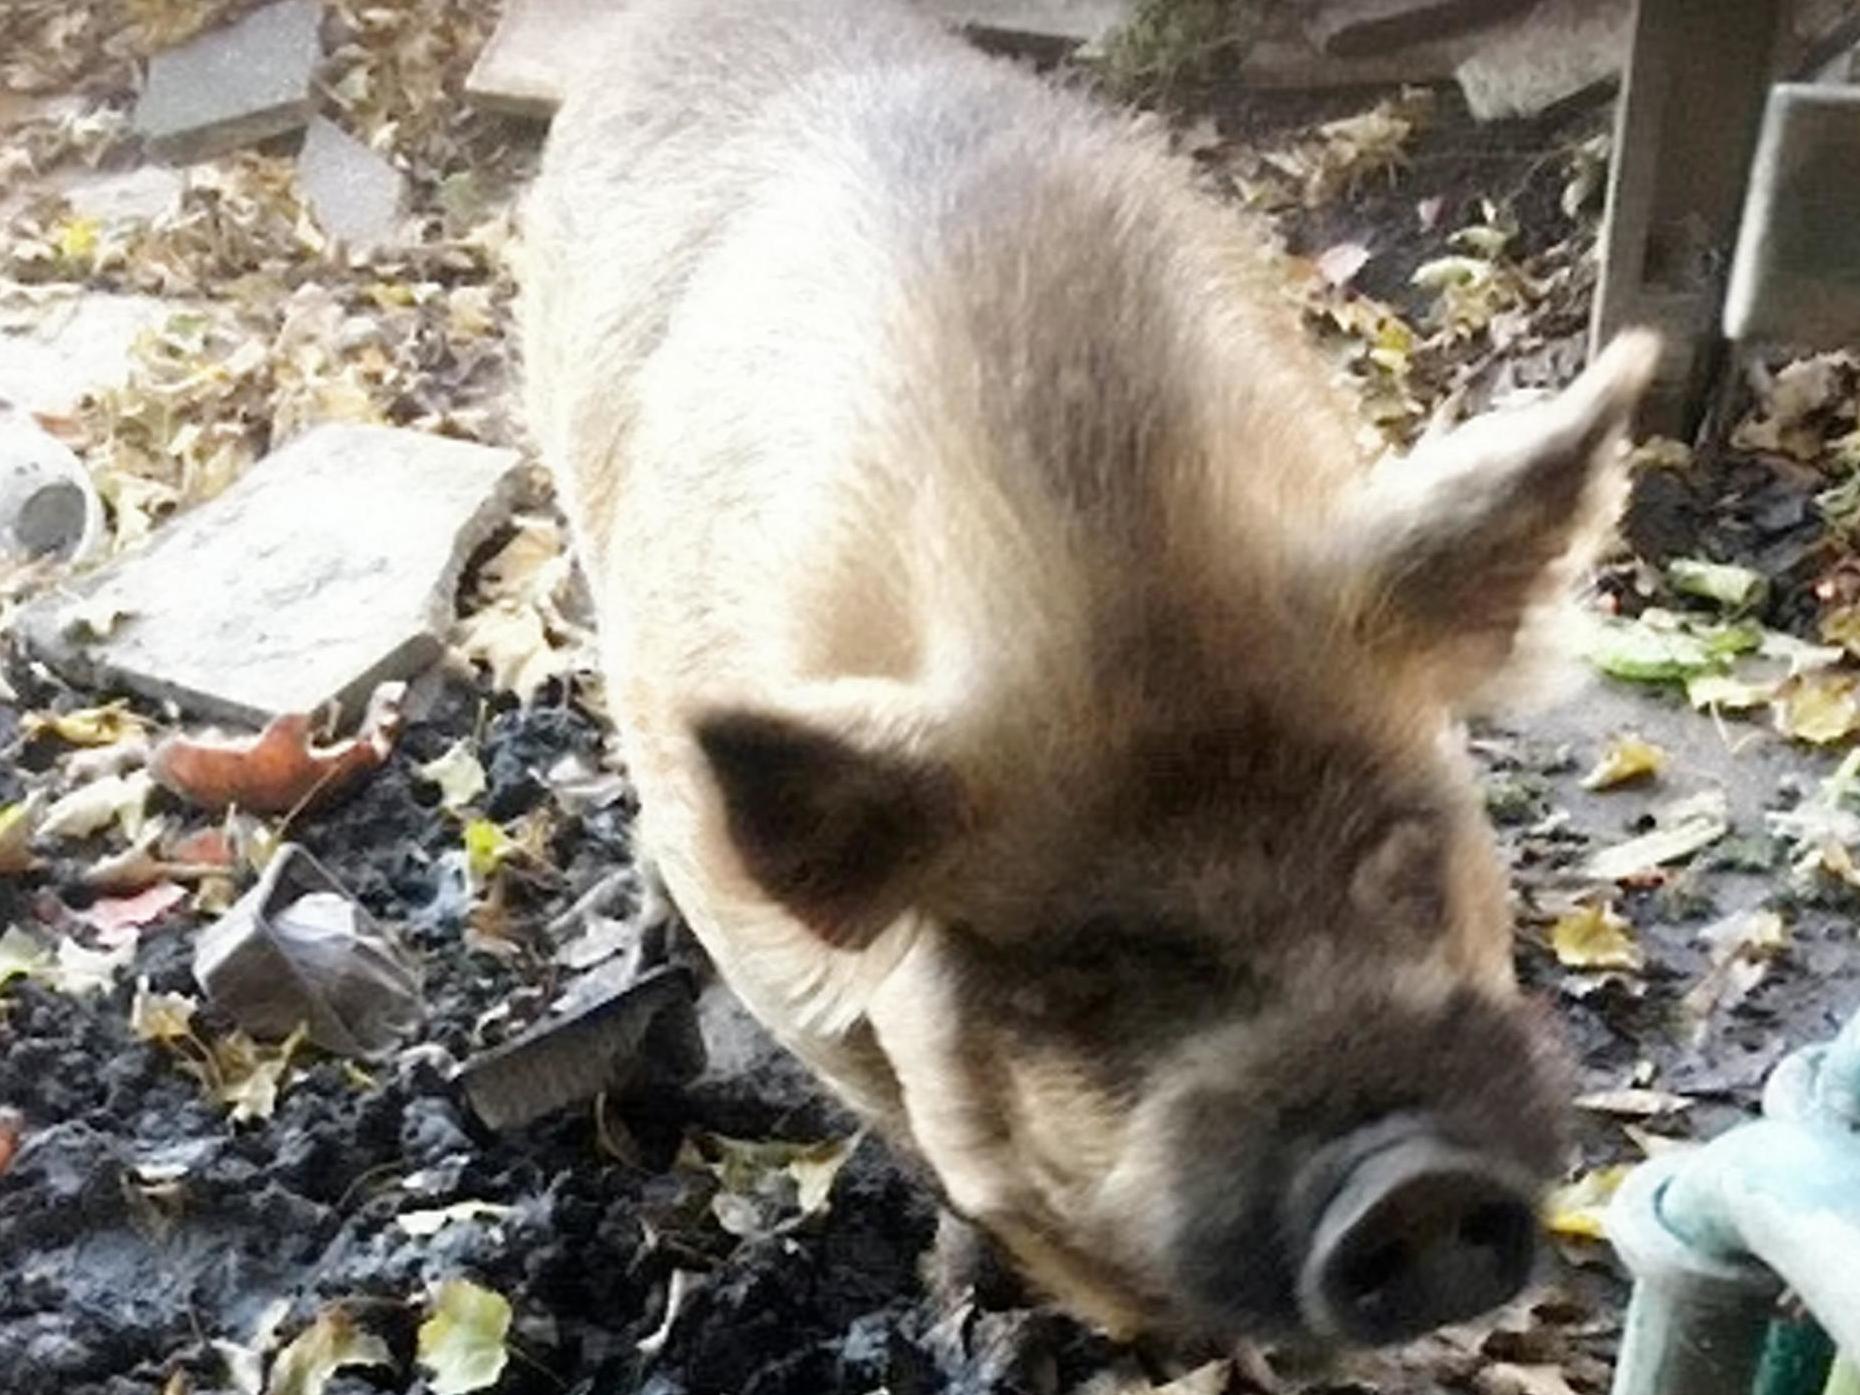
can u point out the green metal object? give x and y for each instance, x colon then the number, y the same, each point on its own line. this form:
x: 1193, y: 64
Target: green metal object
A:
x: 1797, y: 1357
x: 1713, y: 1237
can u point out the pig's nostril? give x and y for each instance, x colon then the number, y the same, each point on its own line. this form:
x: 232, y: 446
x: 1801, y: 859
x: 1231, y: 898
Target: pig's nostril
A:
x: 1419, y: 1234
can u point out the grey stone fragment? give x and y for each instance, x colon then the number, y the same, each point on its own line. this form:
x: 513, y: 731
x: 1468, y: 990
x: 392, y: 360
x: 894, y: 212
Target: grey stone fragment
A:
x: 525, y: 63
x: 147, y: 191
x: 233, y: 86
x: 1064, y: 21
x: 1796, y: 276
x: 355, y: 194
x: 1561, y: 48
x: 297, y: 948
x: 66, y: 349
x: 1359, y: 28
x: 331, y: 567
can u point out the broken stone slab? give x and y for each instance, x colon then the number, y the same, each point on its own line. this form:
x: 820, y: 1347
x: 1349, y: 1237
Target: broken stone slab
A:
x: 298, y: 949
x: 354, y: 193
x: 1795, y: 278
x: 232, y: 86
x: 1558, y: 50
x: 110, y: 196
x: 55, y: 354
x: 48, y: 507
x: 621, y: 1035
x: 523, y: 66
x: 1359, y: 28
x: 329, y: 568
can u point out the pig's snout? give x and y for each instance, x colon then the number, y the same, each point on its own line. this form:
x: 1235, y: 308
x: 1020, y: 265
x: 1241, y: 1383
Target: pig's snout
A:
x: 1417, y: 1233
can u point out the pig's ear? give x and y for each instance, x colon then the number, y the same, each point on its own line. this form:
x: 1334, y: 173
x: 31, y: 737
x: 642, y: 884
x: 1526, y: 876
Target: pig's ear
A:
x: 1446, y: 555
x: 835, y: 814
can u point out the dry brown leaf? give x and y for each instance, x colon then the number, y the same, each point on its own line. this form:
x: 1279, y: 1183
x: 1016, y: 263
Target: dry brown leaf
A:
x: 281, y: 769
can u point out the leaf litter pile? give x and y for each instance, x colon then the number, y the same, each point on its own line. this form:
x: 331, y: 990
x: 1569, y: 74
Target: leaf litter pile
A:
x: 239, y: 970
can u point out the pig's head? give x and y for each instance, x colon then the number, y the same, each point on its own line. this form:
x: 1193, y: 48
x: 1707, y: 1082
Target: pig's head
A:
x: 1202, y: 1000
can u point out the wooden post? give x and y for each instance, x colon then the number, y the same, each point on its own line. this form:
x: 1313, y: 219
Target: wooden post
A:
x: 1685, y: 131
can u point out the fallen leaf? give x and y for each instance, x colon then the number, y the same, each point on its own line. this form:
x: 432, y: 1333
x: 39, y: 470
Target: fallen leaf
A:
x: 421, y: 1224
x: 1729, y: 694
x: 250, y: 1075
x: 510, y: 639
x: 1633, y: 1103
x: 161, y: 1016
x: 486, y: 848
x: 1576, y: 1208
x: 1338, y: 265
x: 12, y: 1130
x: 1820, y: 708
x: 21, y: 956
x: 18, y: 826
x: 1625, y: 758
x: 88, y: 726
x: 457, y: 773
x: 1642, y: 652
x: 78, y: 972
x: 1680, y: 830
x: 1800, y: 656
x: 1734, y: 588
x: 115, y: 799
x: 1595, y: 937
x: 117, y: 918
x: 1741, y: 948
x: 769, y: 1187
x: 462, y: 1340
x: 329, y: 1344
x: 281, y: 770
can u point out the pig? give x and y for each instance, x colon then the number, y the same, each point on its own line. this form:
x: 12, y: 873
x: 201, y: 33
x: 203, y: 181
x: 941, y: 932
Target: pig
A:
x: 1040, y: 708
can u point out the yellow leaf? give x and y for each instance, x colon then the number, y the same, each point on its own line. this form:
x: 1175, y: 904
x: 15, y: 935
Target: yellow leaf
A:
x: 328, y: 1344
x: 250, y: 1075
x: 462, y: 1340
x: 1625, y: 758
x: 1842, y: 626
x: 17, y: 826
x: 1820, y: 708
x: 90, y: 808
x: 1594, y: 937
x: 1576, y: 1208
x: 88, y: 726
x: 77, y: 239
x: 486, y: 847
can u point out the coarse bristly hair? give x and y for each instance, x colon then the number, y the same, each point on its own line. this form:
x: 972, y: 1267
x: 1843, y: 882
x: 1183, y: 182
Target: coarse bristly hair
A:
x: 1037, y: 707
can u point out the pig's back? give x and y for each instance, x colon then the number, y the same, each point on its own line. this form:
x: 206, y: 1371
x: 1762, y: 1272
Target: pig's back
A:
x: 839, y: 323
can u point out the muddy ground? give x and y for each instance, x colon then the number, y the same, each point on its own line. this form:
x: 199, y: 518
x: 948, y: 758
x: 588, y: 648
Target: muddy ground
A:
x: 146, y: 1238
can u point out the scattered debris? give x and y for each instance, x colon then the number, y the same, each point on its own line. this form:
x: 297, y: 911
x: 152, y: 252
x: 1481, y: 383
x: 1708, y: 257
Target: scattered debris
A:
x: 632, y: 1032
x: 296, y: 949
x: 327, y: 569
x: 1625, y: 759
x: 233, y: 86
x: 1595, y: 936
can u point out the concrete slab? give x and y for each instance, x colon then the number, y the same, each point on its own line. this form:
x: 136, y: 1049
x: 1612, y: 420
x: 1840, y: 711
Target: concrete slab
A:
x: 1358, y: 28
x: 1557, y: 50
x: 355, y: 194
x: 232, y: 86
x: 330, y: 567
x: 52, y: 356
x: 521, y: 69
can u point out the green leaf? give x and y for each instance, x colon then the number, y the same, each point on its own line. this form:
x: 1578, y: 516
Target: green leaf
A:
x: 1734, y: 588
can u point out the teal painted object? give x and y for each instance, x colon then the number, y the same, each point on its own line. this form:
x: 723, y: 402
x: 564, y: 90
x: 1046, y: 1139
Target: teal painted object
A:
x: 1797, y: 1358
x: 1713, y: 1236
